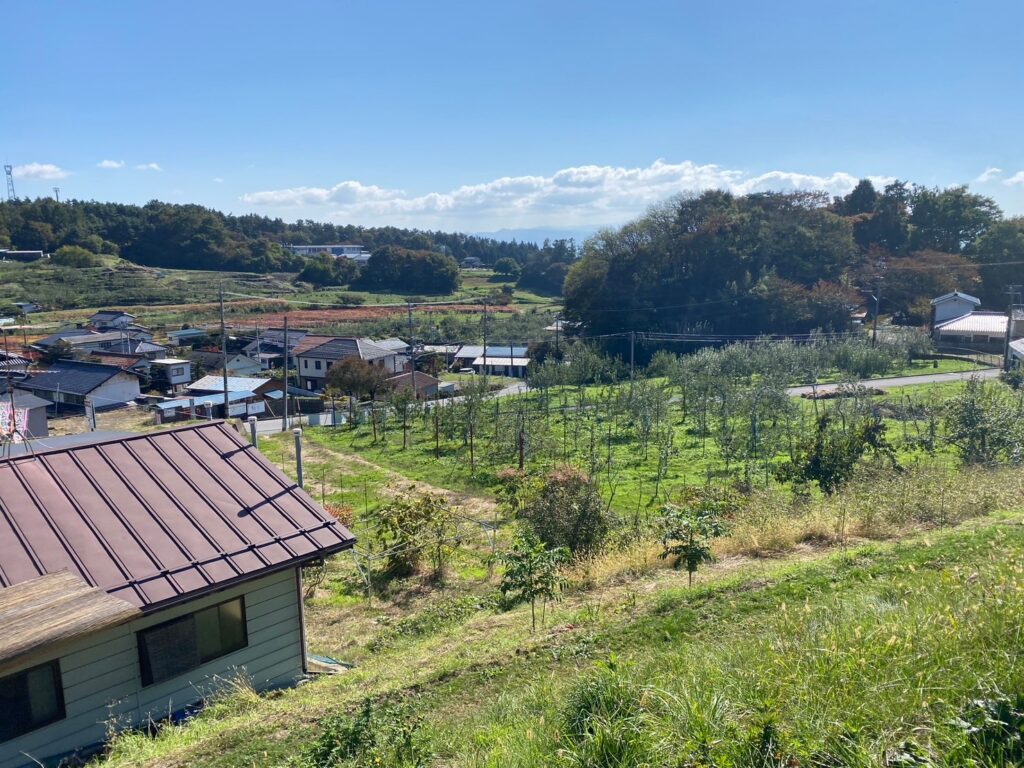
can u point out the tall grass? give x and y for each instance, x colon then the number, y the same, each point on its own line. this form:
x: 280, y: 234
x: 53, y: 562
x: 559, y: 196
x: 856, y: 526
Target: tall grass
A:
x: 879, y: 672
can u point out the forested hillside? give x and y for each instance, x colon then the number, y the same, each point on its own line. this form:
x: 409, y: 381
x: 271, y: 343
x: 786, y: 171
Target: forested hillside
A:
x: 794, y: 262
x: 193, y: 237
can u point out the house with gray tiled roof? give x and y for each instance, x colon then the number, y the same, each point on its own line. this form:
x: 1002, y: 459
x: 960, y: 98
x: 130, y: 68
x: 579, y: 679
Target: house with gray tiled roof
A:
x: 313, y: 362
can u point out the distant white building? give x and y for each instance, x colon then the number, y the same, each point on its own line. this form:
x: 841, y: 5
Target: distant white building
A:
x: 178, y: 372
x: 953, y: 305
x: 357, y: 253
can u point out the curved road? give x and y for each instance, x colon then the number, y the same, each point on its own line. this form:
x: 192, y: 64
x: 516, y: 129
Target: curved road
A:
x: 903, y: 381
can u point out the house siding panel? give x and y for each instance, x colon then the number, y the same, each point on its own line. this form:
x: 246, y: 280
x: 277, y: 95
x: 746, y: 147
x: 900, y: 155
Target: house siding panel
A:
x: 101, y: 679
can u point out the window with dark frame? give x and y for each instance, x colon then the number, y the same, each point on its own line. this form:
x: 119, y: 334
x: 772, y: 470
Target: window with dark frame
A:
x: 31, y: 699
x: 182, y: 644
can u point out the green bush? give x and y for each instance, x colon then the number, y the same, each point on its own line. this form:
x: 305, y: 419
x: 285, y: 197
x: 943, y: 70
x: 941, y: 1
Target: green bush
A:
x: 385, y: 735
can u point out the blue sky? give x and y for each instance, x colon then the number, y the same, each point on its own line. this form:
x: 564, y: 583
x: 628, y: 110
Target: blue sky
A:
x: 479, y: 116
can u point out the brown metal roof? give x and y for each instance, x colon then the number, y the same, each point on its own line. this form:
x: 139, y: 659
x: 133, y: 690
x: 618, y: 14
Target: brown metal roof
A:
x: 158, y: 518
x: 53, y: 609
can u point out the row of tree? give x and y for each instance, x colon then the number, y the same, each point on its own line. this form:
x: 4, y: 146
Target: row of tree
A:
x: 191, y: 236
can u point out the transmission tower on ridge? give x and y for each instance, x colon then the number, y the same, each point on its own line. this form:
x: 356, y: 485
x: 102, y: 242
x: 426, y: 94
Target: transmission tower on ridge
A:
x: 9, y: 170
x: 56, y: 193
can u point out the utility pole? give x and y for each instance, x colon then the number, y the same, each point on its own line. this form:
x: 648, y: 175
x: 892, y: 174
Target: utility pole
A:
x: 632, y: 357
x: 485, y: 343
x: 56, y: 193
x: 878, y: 301
x: 874, y: 320
x: 224, y: 350
x: 1011, y: 291
x: 287, y: 357
x: 412, y: 351
x: 558, y: 322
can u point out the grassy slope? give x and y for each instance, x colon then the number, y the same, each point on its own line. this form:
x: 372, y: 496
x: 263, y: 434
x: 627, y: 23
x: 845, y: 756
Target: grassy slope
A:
x: 889, y: 640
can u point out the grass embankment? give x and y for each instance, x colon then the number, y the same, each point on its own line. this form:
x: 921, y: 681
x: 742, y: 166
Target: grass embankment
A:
x: 845, y: 656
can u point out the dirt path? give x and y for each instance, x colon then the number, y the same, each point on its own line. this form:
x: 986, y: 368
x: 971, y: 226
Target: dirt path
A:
x: 470, y: 504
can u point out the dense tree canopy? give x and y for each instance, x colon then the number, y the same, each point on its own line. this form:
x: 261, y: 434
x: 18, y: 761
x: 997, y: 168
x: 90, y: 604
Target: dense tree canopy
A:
x: 180, y: 236
x: 401, y: 269
x: 783, y: 263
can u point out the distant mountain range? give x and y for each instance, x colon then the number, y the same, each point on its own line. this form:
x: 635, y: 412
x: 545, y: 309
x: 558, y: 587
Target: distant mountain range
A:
x: 538, y: 235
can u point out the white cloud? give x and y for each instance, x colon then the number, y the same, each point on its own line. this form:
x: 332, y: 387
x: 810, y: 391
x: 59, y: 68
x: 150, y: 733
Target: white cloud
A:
x: 148, y: 167
x: 987, y: 175
x: 218, y: 180
x: 589, y: 195
x: 1017, y: 178
x: 110, y: 164
x: 43, y: 171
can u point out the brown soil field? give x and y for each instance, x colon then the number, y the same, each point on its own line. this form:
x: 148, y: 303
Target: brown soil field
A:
x: 312, y: 317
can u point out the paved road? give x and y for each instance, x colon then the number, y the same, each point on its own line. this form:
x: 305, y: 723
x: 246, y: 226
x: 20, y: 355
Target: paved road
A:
x: 904, y: 381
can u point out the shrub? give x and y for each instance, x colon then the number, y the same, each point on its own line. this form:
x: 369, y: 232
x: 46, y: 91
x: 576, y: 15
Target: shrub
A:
x: 567, y: 511
x: 374, y: 737
x: 74, y: 256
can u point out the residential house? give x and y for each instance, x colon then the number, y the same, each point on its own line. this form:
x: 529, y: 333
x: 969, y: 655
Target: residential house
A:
x: 1017, y: 353
x: 953, y: 305
x: 242, y: 365
x: 354, y: 251
x: 268, y: 346
x: 427, y: 386
x: 151, y: 350
x: 204, y: 361
x: 238, y: 364
x: 497, y: 359
x: 123, y: 341
x: 973, y: 332
x: 139, y: 575
x: 400, y: 348
x: 501, y: 365
x: 62, y: 335
x: 26, y: 307
x: 105, y: 320
x: 313, y: 359
x: 185, y: 336
x: 69, y: 383
x: 12, y: 363
x: 23, y: 416
x: 247, y: 396
x: 134, y: 363
x: 471, y: 262
x: 9, y: 254
x: 171, y: 372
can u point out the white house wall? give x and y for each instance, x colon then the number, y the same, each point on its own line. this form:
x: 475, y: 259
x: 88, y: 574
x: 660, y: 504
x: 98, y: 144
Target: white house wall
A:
x: 953, y: 308
x: 122, y: 388
x: 103, y: 684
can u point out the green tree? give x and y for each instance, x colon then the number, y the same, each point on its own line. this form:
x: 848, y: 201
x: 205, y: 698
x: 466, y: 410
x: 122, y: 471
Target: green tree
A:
x: 507, y: 266
x: 949, y: 220
x: 532, y: 572
x: 409, y: 527
x: 59, y: 351
x: 984, y: 423
x: 355, y: 377
x: 686, y: 533
x: 830, y: 456
x: 999, y: 254
x: 74, y: 256
x: 567, y: 511
x: 392, y: 267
